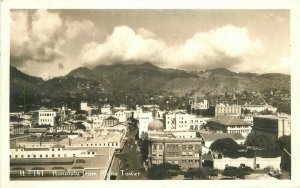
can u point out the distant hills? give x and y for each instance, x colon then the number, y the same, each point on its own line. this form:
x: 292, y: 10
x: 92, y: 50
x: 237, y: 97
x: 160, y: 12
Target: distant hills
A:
x: 147, y: 78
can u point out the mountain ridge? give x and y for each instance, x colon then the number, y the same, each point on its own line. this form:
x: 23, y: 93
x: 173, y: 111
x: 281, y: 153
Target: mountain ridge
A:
x: 148, y: 77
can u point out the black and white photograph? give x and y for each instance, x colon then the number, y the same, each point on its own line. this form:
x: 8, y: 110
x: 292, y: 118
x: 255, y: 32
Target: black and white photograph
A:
x: 150, y: 94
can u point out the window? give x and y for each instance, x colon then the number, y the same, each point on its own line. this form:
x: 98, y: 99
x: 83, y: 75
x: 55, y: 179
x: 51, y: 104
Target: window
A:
x: 183, y: 146
x: 65, y: 155
x: 34, y: 156
x: 28, y: 156
x: 190, y: 146
x: 74, y: 155
x: 46, y: 155
x: 183, y: 161
x: 53, y: 155
x: 58, y: 149
x: 52, y: 149
x: 41, y: 156
x: 58, y: 155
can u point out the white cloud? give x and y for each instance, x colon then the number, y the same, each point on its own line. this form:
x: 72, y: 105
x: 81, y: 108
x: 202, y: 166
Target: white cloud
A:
x: 74, y: 28
x: 225, y: 46
x: 19, y: 32
x: 35, y: 36
x: 122, y: 45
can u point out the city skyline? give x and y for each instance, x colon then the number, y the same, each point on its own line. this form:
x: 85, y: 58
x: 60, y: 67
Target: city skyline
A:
x: 239, y: 40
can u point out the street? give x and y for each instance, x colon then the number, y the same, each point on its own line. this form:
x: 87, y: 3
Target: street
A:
x: 131, y: 167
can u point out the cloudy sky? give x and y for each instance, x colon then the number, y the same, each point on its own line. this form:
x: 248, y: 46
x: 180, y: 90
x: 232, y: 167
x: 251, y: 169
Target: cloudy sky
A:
x: 50, y: 43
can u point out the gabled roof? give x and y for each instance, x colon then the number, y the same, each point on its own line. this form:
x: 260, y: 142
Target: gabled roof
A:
x: 217, y: 136
x: 228, y: 120
x: 111, y: 118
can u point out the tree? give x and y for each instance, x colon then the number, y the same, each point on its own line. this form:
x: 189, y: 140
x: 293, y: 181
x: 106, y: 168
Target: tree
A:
x: 162, y: 171
x: 235, y: 172
x: 261, y: 140
x: 227, y: 146
x: 143, y: 143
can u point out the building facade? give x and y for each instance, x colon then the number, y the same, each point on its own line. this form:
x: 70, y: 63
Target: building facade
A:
x: 277, y: 126
x: 222, y: 109
x: 229, y: 124
x: 46, y: 117
x: 184, y: 152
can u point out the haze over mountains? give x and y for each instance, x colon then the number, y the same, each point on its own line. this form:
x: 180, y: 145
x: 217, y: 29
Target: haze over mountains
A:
x: 148, y: 77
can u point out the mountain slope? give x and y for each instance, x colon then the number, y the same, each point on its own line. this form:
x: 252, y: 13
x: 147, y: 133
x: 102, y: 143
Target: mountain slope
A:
x: 89, y: 83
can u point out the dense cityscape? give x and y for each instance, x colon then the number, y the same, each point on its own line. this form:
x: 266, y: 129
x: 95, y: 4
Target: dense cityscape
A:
x: 150, y: 141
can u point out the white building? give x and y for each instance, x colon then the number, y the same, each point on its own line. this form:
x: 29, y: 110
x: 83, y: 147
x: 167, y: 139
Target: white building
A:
x: 200, y: 105
x: 184, y: 121
x: 145, y: 119
x: 84, y: 106
x: 46, y: 117
x: 121, y: 115
x: 222, y: 109
x: 106, y: 109
x: 229, y: 124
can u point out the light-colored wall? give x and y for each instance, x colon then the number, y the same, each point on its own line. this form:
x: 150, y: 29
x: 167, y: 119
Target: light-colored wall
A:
x: 263, y: 162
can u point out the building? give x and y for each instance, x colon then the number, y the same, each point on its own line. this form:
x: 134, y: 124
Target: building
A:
x: 15, y: 129
x: 208, y: 139
x: 200, y: 105
x: 222, y: 109
x: 259, y: 108
x: 59, y: 162
x: 167, y: 149
x: 46, y: 117
x: 184, y: 121
x: 106, y: 109
x: 261, y: 162
x: 110, y: 121
x: 121, y: 115
x: 274, y: 125
x: 145, y: 119
x: 229, y: 124
x: 84, y: 106
x: 66, y: 127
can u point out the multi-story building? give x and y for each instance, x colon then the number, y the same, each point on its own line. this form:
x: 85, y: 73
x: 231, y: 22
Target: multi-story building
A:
x: 166, y: 148
x: 110, y: 121
x: 184, y: 121
x: 222, y: 109
x: 145, y: 119
x: 46, y: 117
x: 229, y: 124
x: 275, y: 125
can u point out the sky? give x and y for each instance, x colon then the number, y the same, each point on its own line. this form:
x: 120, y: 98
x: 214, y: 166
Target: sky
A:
x: 51, y: 43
